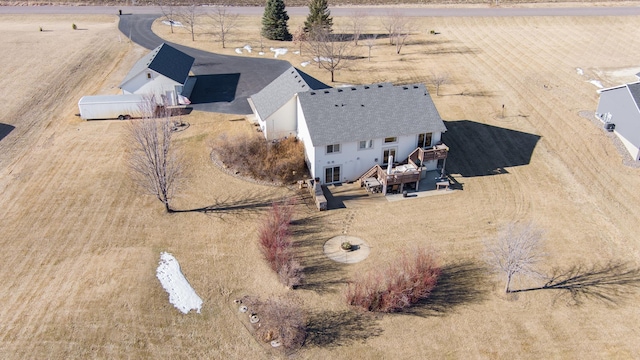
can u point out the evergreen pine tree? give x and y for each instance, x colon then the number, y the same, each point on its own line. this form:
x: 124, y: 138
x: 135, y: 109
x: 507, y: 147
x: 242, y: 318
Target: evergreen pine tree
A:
x: 274, y: 21
x: 319, y: 16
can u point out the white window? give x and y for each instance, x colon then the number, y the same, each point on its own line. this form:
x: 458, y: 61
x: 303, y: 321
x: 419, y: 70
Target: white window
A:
x: 365, y: 144
x: 424, y: 140
x: 335, y: 148
x: 332, y: 174
x: 390, y: 139
x: 386, y: 153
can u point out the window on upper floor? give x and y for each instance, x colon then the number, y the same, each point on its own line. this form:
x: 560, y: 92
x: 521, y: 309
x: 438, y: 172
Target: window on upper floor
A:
x: 334, y: 148
x: 424, y: 140
x: 391, y: 139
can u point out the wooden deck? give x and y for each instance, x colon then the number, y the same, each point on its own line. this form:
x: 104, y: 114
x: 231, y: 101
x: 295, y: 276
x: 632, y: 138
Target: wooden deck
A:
x: 382, y: 180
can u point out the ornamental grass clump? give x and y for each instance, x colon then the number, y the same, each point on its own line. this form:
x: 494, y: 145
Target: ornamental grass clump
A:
x: 402, y: 283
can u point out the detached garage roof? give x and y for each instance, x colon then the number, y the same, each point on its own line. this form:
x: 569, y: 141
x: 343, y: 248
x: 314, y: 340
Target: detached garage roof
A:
x: 165, y: 60
x: 366, y: 112
x: 282, y: 89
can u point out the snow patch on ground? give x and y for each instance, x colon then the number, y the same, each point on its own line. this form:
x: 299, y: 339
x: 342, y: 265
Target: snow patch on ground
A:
x: 261, y: 53
x: 304, y: 64
x: 248, y: 48
x: 238, y: 51
x: 279, y: 51
x: 181, y: 294
x: 579, y: 71
x: 175, y: 23
x: 297, y: 52
x: 321, y: 58
x: 596, y: 83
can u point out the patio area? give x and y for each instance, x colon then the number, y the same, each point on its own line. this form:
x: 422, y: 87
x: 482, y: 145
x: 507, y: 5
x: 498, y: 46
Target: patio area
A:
x: 344, y: 195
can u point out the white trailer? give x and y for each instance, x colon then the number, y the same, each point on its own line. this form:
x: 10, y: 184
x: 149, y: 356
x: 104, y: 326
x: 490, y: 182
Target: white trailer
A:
x: 121, y: 107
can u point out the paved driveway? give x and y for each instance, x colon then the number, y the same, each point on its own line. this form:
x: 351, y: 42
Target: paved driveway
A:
x: 223, y: 82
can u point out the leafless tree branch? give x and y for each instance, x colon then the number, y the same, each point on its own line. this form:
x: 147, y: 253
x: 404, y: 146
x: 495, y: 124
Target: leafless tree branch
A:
x: 223, y: 23
x: 516, y: 252
x: 330, y: 52
x: 154, y: 164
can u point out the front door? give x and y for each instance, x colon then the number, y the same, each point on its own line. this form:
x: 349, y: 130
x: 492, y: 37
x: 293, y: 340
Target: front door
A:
x: 332, y: 174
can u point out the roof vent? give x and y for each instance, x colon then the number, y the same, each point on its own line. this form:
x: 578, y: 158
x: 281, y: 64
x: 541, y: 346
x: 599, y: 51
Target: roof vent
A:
x: 405, y: 88
x: 379, y: 85
x: 353, y: 88
x: 361, y: 105
x: 336, y: 105
x: 415, y: 86
x: 366, y: 87
x: 326, y: 91
x: 339, y: 90
x: 312, y: 92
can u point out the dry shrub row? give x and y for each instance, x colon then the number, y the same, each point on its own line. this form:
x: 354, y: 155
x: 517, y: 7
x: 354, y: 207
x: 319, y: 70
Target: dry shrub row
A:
x: 403, y: 282
x: 274, y: 237
x: 280, y: 319
x: 280, y: 160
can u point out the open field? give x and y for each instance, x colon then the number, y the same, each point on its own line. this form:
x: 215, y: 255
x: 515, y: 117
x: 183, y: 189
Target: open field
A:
x: 80, y: 244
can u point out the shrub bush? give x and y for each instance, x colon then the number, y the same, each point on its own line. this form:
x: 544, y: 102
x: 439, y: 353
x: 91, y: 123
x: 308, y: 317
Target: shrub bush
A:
x: 74, y: 27
x: 402, y: 283
x: 280, y: 319
x: 274, y: 238
x: 261, y: 159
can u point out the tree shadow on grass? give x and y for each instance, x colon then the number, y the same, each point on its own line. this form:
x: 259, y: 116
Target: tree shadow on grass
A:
x: 252, y: 203
x: 338, y: 328
x: 607, y: 283
x: 459, y: 284
x: 322, y: 274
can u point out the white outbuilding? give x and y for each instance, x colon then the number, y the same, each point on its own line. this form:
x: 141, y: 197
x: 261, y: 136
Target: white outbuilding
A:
x: 163, y: 74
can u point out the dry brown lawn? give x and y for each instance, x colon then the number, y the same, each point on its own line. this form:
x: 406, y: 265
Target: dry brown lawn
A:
x: 80, y: 244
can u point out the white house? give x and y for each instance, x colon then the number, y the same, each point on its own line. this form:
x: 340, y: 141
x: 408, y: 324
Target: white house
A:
x: 619, y: 109
x: 163, y: 73
x: 347, y: 131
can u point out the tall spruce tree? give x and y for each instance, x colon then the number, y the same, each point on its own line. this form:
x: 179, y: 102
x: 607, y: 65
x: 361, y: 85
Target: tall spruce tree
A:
x: 319, y: 16
x: 274, y: 21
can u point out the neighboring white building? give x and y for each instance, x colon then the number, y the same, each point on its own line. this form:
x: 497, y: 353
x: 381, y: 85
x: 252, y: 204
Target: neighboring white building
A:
x: 620, y: 106
x: 274, y: 107
x: 163, y: 74
x: 347, y: 131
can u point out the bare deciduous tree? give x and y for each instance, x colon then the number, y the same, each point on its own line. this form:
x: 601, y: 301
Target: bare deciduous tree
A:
x: 356, y: 24
x: 299, y: 37
x: 223, y: 23
x: 438, y: 79
x: 189, y: 16
x: 398, y: 27
x: 168, y: 9
x: 516, y: 251
x: 154, y: 164
x: 328, y: 50
x: 390, y: 23
x: 370, y: 42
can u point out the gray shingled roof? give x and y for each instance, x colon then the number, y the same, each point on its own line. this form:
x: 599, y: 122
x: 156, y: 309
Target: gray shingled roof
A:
x: 365, y: 112
x: 164, y: 60
x: 282, y: 89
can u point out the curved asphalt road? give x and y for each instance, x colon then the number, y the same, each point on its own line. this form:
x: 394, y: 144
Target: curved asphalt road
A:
x: 223, y: 82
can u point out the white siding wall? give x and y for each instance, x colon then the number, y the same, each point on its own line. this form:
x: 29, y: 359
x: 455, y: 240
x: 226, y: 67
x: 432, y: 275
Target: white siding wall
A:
x: 158, y: 86
x: 355, y: 161
x: 633, y: 150
x: 283, y: 122
x: 625, y: 115
x: 303, y: 135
